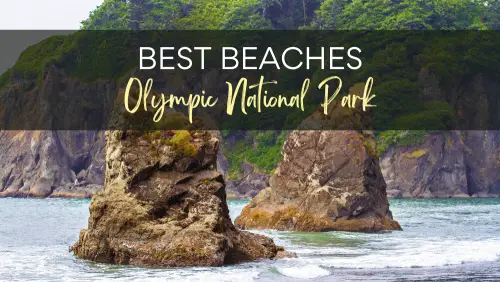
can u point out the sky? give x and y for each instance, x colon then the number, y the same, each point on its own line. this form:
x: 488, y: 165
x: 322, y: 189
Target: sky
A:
x: 40, y: 15
x: 45, y: 14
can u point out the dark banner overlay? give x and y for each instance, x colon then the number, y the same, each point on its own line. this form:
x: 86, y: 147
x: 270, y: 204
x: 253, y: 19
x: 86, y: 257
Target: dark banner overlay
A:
x: 252, y: 80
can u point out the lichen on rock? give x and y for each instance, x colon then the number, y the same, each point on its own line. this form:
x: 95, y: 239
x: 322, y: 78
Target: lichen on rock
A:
x: 163, y: 207
x: 327, y: 180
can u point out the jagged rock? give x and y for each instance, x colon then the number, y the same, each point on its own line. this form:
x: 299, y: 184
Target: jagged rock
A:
x: 446, y: 164
x: 482, y: 160
x: 252, y: 182
x: 164, y: 204
x: 451, y: 163
x: 394, y: 194
x: 248, y: 168
x: 51, y: 163
x: 326, y: 180
x: 45, y: 163
x: 435, y: 168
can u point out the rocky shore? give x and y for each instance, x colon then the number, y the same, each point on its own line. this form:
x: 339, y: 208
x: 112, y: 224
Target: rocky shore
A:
x: 71, y: 164
x: 164, y: 204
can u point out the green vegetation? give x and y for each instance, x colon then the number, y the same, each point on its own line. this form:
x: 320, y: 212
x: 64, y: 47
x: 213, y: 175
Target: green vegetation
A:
x: 181, y: 142
x: 33, y: 60
x: 85, y: 56
x: 295, y: 14
x: 249, y: 14
x: 416, y: 154
x: 407, y: 14
x: 400, y: 138
x: 396, y: 65
x: 202, y: 14
x: 260, y: 148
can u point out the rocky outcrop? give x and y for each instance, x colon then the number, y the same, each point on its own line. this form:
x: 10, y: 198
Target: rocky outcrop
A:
x: 252, y: 182
x: 435, y: 168
x: 450, y: 163
x: 327, y: 180
x: 51, y: 163
x: 164, y: 204
x: 482, y: 160
x: 445, y: 164
x: 244, y: 178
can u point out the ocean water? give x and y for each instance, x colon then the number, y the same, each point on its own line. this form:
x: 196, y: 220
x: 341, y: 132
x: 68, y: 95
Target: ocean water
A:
x: 443, y: 240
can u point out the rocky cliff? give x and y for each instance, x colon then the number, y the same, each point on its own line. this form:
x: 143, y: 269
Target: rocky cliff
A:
x: 444, y: 164
x: 164, y: 204
x: 449, y: 163
x: 45, y: 163
x: 482, y: 160
x: 327, y: 180
x: 51, y: 163
x: 71, y: 163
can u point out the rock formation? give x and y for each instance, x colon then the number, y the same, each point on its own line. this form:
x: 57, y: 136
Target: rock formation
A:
x: 327, y: 180
x: 446, y: 164
x: 51, y: 163
x: 249, y: 179
x: 435, y: 168
x: 250, y: 184
x: 71, y: 163
x: 164, y: 204
x: 451, y: 163
x: 482, y: 160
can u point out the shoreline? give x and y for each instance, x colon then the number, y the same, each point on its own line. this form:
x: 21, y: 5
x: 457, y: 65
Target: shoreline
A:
x: 87, y: 195
x: 422, y: 250
x: 60, y: 195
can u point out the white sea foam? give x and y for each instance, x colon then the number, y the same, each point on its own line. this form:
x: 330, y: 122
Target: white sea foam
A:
x: 430, y: 254
x: 35, y: 236
x: 334, y: 251
x: 303, y: 272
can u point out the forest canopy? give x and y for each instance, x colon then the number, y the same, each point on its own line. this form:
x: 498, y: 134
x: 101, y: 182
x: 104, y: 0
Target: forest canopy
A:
x: 399, y: 64
x: 296, y: 14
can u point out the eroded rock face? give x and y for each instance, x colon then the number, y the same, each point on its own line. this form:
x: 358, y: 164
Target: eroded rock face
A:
x: 435, y: 168
x: 164, y: 204
x: 447, y: 164
x: 252, y: 182
x: 51, y: 163
x: 482, y: 159
x: 327, y: 180
x: 47, y: 163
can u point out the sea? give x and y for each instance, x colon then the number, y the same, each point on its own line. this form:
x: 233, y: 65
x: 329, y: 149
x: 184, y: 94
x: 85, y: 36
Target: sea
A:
x: 442, y: 240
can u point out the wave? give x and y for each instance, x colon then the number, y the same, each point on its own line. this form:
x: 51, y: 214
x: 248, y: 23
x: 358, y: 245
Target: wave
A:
x: 303, y: 272
x: 432, y: 254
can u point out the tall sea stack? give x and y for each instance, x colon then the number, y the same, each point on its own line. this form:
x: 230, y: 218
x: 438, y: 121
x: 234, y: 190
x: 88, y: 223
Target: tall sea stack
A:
x: 327, y: 180
x: 164, y: 204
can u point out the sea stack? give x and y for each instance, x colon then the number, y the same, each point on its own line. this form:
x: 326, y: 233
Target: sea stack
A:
x: 164, y: 204
x: 327, y: 180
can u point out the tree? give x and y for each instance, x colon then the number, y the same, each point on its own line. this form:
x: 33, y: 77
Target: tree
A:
x: 112, y: 14
x: 399, y: 14
x: 138, y: 10
x: 491, y: 14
